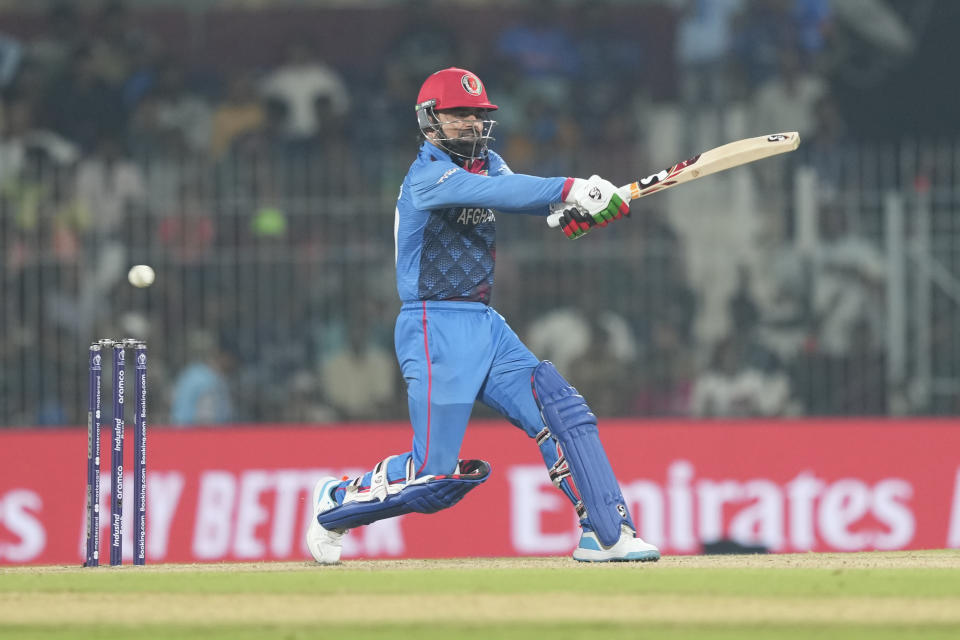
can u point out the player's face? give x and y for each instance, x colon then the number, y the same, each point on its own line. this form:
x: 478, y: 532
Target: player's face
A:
x: 464, y: 123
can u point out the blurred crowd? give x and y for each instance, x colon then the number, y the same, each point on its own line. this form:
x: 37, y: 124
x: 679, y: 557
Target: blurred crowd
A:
x: 262, y: 193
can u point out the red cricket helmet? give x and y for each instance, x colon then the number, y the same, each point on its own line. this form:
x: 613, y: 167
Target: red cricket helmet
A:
x: 450, y: 89
x: 453, y: 87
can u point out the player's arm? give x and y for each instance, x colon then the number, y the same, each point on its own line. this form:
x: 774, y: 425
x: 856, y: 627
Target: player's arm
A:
x: 499, y: 167
x: 574, y: 219
x: 442, y: 184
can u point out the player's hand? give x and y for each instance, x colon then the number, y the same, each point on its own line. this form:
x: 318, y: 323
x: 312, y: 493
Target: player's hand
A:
x: 598, y: 197
x: 574, y: 220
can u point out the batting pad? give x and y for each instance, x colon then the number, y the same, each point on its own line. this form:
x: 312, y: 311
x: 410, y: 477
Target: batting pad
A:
x: 574, y: 426
x: 422, y: 495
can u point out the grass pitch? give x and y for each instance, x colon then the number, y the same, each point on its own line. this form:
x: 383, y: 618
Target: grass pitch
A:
x: 863, y: 595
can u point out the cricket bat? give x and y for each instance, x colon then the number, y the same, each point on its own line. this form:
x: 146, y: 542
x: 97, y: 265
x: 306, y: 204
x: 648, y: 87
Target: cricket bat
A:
x: 724, y: 157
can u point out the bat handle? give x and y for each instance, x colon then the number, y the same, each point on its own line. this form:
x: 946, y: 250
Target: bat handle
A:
x: 553, y: 220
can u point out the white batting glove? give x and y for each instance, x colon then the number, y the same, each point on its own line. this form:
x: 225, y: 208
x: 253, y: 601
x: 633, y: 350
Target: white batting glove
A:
x: 597, y: 196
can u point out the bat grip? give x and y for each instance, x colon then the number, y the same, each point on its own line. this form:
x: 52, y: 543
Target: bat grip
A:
x: 553, y: 220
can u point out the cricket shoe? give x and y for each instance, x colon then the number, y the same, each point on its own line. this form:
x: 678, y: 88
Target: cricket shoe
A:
x: 628, y: 548
x: 324, y: 544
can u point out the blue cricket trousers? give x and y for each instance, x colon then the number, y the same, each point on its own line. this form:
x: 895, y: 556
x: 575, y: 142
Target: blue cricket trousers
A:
x: 451, y: 355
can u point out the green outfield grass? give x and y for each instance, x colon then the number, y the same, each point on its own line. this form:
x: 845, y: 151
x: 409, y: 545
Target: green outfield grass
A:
x: 875, y: 596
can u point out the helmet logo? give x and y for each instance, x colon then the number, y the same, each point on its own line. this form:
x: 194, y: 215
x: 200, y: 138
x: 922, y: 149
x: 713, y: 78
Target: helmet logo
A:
x: 471, y: 84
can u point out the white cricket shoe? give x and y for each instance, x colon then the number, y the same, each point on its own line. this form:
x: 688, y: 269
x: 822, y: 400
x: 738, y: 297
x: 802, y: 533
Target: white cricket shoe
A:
x: 324, y: 544
x: 628, y: 548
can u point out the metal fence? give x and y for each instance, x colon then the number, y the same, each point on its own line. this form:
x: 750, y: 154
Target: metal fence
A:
x: 826, y: 284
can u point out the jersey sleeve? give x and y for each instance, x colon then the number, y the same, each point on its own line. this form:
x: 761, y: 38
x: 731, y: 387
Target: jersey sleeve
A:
x: 444, y: 184
x: 498, y: 166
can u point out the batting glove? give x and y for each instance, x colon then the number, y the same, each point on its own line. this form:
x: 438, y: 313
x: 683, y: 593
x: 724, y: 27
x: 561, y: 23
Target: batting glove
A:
x: 574, y: 221
x: 598, y: 197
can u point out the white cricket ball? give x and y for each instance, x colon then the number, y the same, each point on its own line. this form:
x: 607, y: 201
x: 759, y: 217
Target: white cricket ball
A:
x: 141, y: 275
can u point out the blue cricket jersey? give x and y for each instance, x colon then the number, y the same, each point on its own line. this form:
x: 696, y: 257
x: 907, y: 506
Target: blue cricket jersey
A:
x: 445, y: 228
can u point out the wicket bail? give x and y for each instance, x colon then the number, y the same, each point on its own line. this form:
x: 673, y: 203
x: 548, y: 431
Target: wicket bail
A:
x: 94, y: 430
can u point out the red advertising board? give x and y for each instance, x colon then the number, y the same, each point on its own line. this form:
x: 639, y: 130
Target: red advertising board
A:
x: 242, y: 493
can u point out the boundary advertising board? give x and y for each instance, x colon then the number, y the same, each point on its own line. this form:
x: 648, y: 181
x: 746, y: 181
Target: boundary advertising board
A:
x: 241, y: 493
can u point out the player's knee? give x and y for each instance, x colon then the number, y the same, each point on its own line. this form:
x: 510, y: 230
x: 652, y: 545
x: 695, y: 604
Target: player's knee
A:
x: 560, y: 403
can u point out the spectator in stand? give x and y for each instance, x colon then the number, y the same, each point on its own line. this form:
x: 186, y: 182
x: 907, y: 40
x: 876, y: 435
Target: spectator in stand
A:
x: 328, y: 160
x: 201, y: 391
x: 761, y: 30
x: 813, y: 21
x: 117, y: 42
x: 546, y: 144
x: 870, y: 38
x: 601, y: 372
x: 860, y: 378
x: 540, y: 62
x: 11, y: 55
x: 300, y: 83
x: 424, y: 45
x: 187, y: 231
x: 704, y: 43
x: 664, y: 377
x: 39, y: 244
x: 242, y: 111
x: 787, y: 101
x: 578, y: 324
x: 19, y: 134
x: 732, y: 386
x: 83, y: 105
x: 746, y: 378
x: 302, y: 403
x: 542, y: 50
x: 52, y: 48
x: 602, y: 46
x: 705, y: 33
x: 849, y: 277
x: 171, y: 119
x: 359, y: 381
x: 744, y: 313
x: 825, y: 147
x: 268, y: 141
x: 36, y: 182
x: 656, y: 275
x: 786, y: 325
x: 851, y: 384
x: 426, y: 42
x: 31, y: 84
x: 26, y: 205
x: 384, y: 107
x: 109, y: 189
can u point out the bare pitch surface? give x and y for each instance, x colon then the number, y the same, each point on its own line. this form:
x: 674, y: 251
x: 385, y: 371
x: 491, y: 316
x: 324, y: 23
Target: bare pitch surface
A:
x: 863, y: 595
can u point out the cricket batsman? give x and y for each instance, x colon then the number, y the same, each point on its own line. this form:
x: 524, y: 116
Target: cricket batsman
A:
x: 454, y: 348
